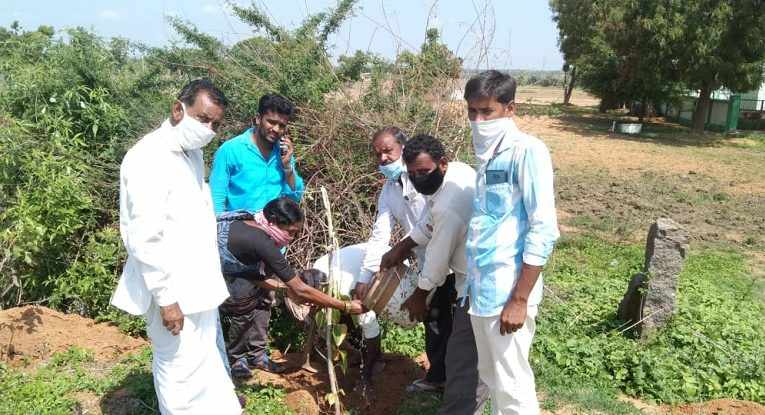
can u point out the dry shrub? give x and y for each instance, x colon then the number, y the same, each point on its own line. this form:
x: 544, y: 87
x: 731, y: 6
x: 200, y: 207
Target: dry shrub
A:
x: 334, y: 150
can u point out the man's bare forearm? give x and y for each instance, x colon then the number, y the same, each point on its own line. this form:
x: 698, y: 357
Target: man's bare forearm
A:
x: 313, y: 295
x: 526, y: 281
x: 398, y: 253
x: 406, y: 244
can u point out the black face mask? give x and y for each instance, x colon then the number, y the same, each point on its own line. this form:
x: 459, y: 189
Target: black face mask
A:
x: 429, y: 183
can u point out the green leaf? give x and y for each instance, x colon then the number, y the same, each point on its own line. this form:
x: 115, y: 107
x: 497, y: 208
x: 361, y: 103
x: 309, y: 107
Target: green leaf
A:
x: 321, y: 318
x: 339, y: 331
x: 343, y: 360
x: 331, y: 399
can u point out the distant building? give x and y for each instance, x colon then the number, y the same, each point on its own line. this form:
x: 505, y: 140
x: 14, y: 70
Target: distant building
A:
x: 724, y: 112
x: 753, y: 100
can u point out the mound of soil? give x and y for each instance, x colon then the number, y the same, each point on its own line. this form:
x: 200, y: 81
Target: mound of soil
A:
x: 306, y: 391
x: 30, y: 335
x: 721, y: 406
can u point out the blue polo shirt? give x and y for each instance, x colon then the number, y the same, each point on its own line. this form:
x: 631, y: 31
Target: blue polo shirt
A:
x: 242, y: 179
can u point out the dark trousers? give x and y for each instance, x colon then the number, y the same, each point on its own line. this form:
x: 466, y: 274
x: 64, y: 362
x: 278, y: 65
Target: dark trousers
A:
x: 246, y: 334
x: 438, y: 328
x: 465, y: 393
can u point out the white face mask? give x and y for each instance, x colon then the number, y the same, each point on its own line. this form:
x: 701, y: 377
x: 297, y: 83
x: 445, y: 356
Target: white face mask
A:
x: 193, y: 134
x: 486, y: 136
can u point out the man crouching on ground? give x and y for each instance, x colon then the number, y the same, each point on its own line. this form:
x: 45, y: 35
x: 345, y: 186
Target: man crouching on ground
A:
x: 172, y: 275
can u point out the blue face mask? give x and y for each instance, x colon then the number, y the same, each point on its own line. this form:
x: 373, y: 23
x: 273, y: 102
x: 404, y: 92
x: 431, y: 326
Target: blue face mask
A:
x: 393, y: 170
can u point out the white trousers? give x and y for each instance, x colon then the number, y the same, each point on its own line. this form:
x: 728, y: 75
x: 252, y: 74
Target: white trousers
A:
x: 503, y: 364
x: 190, y: 377
x: 370, y: 327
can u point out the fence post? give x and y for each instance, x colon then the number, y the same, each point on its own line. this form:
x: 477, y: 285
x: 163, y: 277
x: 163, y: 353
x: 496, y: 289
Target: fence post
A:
x: 734, y: 107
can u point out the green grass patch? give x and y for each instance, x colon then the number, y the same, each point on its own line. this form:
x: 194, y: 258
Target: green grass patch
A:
x: 51, y: 389
x: 713, y: 348
x: 402, y: 341
x: 427, y: 404
x: 264, y: 399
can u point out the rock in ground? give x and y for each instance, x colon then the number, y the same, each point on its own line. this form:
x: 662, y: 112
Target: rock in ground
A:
x: 651, y: 297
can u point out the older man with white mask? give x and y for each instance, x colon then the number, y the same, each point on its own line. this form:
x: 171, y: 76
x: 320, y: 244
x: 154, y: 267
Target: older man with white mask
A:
x: 172, y: 275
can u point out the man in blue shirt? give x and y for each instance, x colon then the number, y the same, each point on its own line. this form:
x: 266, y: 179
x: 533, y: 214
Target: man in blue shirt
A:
x: 509, y: 239
x: 257, y: 166
x: 249, y: 171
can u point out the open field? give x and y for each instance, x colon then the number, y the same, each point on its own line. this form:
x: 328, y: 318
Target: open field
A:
x: 617, y: 185
x: 552, y: 95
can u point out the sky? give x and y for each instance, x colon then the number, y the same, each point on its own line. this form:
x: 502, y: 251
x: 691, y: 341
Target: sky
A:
x: 515, y: 34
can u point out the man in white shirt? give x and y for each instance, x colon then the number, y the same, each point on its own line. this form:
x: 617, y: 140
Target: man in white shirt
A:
x: 398, y: 203
x: 172, y: 275
x: 449, y: 188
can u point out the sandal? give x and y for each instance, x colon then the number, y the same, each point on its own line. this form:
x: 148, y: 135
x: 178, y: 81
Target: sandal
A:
x: 422, y: 385
x: 269, y: 365
x: 240, y: 369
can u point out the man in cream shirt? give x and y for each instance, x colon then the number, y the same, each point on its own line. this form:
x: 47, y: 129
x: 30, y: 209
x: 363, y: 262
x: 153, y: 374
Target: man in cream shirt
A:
x: 449, y: 188
x: 172, y: 275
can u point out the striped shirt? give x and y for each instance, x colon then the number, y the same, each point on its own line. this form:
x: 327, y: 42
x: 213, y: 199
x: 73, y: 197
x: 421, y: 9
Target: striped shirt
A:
x: 513, y: 221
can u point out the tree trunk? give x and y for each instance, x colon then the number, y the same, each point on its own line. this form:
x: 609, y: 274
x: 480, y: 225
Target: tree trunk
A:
x: 569, y: 88
x: 702, y: 109
x: 608, y: 102
x: 643, y: 110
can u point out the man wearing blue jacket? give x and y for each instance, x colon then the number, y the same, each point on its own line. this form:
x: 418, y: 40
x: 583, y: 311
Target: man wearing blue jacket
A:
x: 249, y: 171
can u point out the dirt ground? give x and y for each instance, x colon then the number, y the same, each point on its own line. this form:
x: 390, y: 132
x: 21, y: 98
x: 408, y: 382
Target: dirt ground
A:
x: 552, y: 95
x: 621, y: 184
x: 30, y: 335
x: 721, y: 406
x: 390, y: 384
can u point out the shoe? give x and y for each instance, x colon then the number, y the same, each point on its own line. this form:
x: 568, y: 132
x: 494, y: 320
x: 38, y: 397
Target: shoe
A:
x: 422, y: 385
x: 240, y: 369
x: 268, y: 365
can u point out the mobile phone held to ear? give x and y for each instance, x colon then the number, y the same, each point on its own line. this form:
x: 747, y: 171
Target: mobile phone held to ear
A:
x: 283, y: 147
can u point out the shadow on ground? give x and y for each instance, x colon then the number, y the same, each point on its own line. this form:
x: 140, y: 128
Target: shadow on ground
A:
x: 134, y: 395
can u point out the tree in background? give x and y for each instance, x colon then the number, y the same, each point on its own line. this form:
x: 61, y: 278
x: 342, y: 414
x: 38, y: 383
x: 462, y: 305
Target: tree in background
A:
x: 294, y: 63
x: 651, y: 51
x: 642, y: 35
x: 576, y: 34
x: 436, y: 57
x: 584, y: 27
x: 351, y: 67
x: 68, y: 107
x: 722, y: 46
x: 616, y: 49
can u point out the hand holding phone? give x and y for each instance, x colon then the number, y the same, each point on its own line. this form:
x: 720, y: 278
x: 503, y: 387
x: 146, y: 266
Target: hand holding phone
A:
x: 286, y: 149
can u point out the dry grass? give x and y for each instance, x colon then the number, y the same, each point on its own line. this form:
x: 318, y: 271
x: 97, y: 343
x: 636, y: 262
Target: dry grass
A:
x: 553, y: 95
x: 616, y: 185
